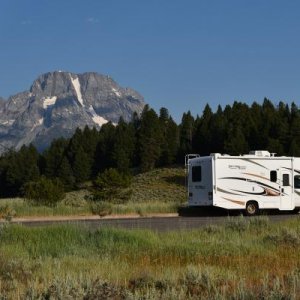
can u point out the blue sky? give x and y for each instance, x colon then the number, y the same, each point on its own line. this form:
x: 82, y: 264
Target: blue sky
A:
x: 177, y: 54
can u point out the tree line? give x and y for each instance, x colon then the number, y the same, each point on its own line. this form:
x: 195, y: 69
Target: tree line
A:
x: 154, y: 140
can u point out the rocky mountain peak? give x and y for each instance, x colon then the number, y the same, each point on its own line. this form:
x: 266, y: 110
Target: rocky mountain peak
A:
x: 59, y: 102
x: 52, y: 83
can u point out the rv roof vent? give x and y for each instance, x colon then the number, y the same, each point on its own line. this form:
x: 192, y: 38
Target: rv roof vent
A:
x: 261, y: 153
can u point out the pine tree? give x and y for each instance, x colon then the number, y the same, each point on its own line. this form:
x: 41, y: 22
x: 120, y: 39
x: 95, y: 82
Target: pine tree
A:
x: 123, y: 146
x: 112, y: 186
x: 202, y: 136
x: 65, y: 174
x: 89, y: 140
x: 186, y: 135
x: 256, y: 140
x: 103, y: 154
x: 170, y: 138
x: 81, y: 165
x: 268, y: 115
x: 79, y: 161
x: 22, y: 167
x: 274, y: 146
x: 235, y: 142
x: 149, y: 139
x: 294, y: 145
x: 218, y: 128
x: 54, y: 155
x: 57, y: 164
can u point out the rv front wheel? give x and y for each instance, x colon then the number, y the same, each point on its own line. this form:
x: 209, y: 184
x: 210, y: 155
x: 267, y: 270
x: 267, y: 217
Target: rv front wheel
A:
x: 251, y: 208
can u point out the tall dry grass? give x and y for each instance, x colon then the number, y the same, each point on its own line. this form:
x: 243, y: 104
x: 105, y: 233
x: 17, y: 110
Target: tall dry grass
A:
x: 247, y: 258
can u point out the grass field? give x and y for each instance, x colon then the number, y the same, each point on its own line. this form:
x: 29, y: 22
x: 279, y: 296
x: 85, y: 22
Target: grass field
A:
x: 246, y: 258
x: 158, y: 191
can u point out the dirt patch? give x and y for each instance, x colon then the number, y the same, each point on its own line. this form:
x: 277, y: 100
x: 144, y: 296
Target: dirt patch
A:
x: 87, y: 217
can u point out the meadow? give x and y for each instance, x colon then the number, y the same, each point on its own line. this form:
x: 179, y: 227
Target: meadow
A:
x: 157, y: 191
x: 245, y: 258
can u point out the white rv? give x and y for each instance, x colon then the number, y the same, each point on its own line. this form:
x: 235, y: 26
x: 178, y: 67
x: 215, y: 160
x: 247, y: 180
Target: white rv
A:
x: 251, y: 182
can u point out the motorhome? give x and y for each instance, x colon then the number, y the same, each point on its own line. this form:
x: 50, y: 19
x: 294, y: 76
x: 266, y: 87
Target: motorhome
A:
x: 251, y: 182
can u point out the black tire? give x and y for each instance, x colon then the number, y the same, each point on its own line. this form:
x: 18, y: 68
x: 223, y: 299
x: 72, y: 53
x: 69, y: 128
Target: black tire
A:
x: 252, y: 208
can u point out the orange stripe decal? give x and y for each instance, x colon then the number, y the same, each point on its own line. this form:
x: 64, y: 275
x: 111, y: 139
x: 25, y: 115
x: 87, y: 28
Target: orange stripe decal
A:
x: 235, y: 201
x: 259, y: 176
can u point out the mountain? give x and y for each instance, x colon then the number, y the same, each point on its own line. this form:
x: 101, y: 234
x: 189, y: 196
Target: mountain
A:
x: 59, y: 102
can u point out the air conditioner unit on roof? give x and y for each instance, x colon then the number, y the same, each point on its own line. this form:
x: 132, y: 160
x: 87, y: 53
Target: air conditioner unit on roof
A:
x: 260, y: 153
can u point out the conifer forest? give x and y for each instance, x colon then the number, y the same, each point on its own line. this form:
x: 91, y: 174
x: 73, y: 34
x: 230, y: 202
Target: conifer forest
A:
x: 154, y: 140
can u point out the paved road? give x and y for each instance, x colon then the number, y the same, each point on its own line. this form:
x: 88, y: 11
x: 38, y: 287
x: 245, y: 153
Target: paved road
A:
x: 155, y: 223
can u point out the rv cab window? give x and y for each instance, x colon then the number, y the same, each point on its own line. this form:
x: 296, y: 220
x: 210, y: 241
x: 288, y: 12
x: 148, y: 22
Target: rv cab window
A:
x: 196, y: 173
x: 273, y: 176
x: 297, y: 181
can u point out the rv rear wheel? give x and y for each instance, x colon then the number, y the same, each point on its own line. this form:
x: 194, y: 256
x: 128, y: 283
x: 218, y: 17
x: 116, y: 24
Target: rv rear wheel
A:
x: 251, y: 208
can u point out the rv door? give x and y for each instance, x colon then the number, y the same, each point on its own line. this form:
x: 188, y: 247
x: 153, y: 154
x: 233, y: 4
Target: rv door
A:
x: 286, y: 190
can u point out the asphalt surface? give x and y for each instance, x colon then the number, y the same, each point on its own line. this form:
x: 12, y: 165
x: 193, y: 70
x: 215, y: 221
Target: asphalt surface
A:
x: 155, y: 223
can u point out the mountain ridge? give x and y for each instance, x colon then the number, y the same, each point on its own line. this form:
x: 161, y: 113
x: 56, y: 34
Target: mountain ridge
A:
x: 59, y: 102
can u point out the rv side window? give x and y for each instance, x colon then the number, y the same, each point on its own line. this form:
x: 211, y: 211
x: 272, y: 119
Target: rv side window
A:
x: 196, y: 173
x: 297, y: 181
x: 285, y: 179
x: 273, y: 176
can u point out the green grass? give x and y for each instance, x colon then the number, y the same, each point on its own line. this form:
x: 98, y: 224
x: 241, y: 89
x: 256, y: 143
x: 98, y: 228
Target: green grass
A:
x: 244, y: 259
x: 161, y: 185
x: 157, y: 191
x: 144, y: 208
x: 22, y: 208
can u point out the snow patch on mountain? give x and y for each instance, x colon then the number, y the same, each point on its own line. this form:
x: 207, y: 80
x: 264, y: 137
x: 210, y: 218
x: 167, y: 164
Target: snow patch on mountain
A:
x: 8, y: 122
x: 38, y: 123
x: 97, y: 119
x: 76, y: 85
x: 49, y: 101
x: 116, y: 92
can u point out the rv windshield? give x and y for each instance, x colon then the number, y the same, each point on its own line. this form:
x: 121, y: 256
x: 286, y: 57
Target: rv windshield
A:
x: 297, y: 181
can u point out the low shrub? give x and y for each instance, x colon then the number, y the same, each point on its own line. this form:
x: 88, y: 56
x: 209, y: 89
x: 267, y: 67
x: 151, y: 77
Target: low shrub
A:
x: 112, y: 186
x: 101, y: 208
x: 239, y: 224
x: 7, y: 213
x: 260, y: 223
x: 15, y: 272
x: 44, y: 192
x: 200, y: 282
x: 284, y: 237
x: 77, y: 198
x: 102, y: 290
x: 213, y: 229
